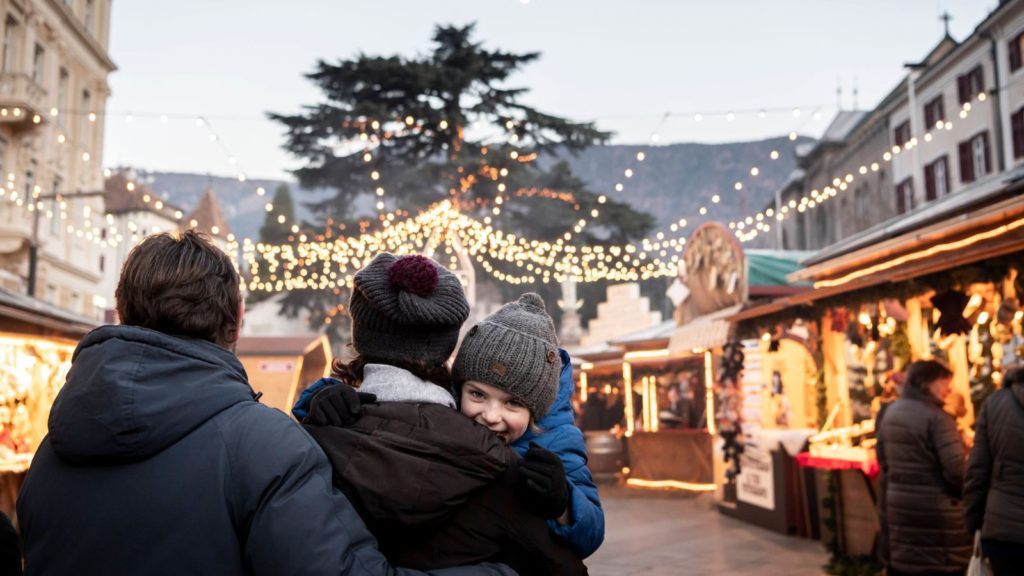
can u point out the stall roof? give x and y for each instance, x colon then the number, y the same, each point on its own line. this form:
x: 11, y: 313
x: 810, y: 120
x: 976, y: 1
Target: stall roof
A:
x: 34, y: 316
x: 974, y: 235
x: 595, y: 353
x: 653, y: 336
x: 276, y: 345
x: 950, y: 207
x: 704, y: 332
x: 771, y: 267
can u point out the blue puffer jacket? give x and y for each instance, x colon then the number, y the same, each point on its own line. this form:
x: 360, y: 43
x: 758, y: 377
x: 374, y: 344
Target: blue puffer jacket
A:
x: 560, y: 435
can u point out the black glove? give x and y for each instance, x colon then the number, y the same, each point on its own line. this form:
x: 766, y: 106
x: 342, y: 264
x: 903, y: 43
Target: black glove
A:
x: 542, y: 482
x: 337, y: 405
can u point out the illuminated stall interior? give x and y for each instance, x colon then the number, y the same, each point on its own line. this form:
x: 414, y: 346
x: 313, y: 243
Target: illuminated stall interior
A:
x: 36, y: 344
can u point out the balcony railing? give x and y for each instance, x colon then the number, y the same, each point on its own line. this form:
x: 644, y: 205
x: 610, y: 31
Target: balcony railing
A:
x: 22, y: 100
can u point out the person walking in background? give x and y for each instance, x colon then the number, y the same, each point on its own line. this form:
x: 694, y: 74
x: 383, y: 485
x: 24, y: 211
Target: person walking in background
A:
x: 10, y: 548
x: 159, y: 460
x: 994, y: 492
x: 922, y: 460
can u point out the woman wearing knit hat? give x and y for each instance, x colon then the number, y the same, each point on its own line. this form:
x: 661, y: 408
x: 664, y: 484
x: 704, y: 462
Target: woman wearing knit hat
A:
x: 514, y: 380
x: 436, y: 489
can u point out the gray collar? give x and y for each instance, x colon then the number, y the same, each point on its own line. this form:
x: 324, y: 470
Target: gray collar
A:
x: 393, y: 384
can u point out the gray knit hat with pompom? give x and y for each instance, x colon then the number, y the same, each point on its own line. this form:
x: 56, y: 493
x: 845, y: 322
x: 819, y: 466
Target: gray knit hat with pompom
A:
x: 514, y: 349
x: 406, y: 308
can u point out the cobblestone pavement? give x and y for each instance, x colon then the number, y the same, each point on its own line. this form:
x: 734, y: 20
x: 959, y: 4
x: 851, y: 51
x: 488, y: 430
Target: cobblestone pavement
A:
x: 658, y: 534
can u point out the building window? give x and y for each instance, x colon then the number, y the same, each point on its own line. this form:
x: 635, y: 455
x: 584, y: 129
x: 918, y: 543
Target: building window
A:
x: 103, y: 262
x: 3, y: 154
x: 55, y: 221
x: 1017, y: 124
x: 905, y: 196
x: 1014, y: 50
x: 39, y: 65
x: 934, y: 113
x: 936, y: 179
x: 975, y: 158
x: 901, y: 135
x: 971, y: 84
x: 90, y: 14
x: 10, y: 44
x: 83, y: 118
x: 62, y: 96
x: 30, y: 179
x: 860, y: 198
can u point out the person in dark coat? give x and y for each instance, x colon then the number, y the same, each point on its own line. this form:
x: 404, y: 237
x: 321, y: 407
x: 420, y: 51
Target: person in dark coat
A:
x: 10, y: 548
x: 159, y: 459
x: 994, y: 493
x: 922, y: 460
x: 436, y: 488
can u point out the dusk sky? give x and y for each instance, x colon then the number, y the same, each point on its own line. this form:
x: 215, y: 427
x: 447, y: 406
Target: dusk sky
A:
x: 621, y: 64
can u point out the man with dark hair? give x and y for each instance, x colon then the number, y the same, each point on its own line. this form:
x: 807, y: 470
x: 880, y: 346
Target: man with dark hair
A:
x: 159, y: 460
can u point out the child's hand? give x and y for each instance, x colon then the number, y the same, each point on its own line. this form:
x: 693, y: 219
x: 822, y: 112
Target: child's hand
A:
x: 542, y: 481
x: 337, y: 405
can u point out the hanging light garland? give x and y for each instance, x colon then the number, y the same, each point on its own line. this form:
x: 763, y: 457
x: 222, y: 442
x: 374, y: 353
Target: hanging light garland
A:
x: 748, y: 228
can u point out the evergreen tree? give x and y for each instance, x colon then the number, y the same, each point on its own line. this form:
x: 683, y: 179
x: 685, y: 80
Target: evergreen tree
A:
x: 275, y: 229
x: 445, y: 126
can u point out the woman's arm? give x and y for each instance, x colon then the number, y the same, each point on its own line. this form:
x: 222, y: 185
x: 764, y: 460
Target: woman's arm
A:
x: 950, y: 451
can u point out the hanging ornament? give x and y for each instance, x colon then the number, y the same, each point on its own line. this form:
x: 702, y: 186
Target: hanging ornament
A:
x: 951, y: 306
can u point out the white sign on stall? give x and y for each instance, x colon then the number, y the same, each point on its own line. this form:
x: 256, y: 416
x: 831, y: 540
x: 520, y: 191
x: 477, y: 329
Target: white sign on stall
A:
x: 755, y: 484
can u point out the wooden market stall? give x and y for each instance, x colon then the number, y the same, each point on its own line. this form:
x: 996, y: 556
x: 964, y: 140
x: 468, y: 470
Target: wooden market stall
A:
x: 281, y: 367
x: 946, y: 284
x: 671, y: 374
x: 36, y: 344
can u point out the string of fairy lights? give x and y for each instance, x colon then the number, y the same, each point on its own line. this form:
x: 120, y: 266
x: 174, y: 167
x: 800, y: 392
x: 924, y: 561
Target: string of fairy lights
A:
x: 544, y: 261
x: 327, y: 261
x: 748, y: 228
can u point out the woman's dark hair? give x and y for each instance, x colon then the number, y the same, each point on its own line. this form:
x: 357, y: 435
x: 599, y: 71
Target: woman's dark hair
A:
x: 351, y: 372
x: 922, y: 373
x: 182, y: 285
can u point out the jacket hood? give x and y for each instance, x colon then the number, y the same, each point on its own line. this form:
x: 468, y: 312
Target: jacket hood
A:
x: 921, y: 395
x: 131, y: 392
x: 561, y: 412
x: 1018, y: 393
x: 411, y: 463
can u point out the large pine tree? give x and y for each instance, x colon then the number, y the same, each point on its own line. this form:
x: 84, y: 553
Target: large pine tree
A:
x: 445, y: 126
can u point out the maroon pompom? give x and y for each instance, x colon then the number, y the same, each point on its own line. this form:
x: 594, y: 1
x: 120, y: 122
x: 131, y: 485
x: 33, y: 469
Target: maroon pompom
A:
x: 415, y: 274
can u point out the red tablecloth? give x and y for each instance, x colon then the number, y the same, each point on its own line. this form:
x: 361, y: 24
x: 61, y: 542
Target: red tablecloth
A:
x: 869, y: 468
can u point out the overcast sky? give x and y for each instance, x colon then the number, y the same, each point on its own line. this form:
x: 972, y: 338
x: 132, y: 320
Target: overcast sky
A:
x: 623, y: 64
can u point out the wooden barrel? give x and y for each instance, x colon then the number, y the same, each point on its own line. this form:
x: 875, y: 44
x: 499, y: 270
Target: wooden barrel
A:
x: 605, y: 454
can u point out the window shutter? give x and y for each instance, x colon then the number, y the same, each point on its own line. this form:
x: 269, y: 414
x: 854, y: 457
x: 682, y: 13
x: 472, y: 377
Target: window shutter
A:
x: 988, y: 155
x: 901, y: 205
x: 929, y: 182
x: 962, y: 88
x: 966, y: 165
x: 1014, y: 50
x: 1017, y: 122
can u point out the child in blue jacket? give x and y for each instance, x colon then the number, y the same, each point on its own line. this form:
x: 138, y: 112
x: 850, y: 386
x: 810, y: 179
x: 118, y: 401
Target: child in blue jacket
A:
x: 516, y: 381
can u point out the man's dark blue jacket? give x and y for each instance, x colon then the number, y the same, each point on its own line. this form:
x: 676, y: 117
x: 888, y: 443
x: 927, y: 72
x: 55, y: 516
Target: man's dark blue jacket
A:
x: 159, y: 461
